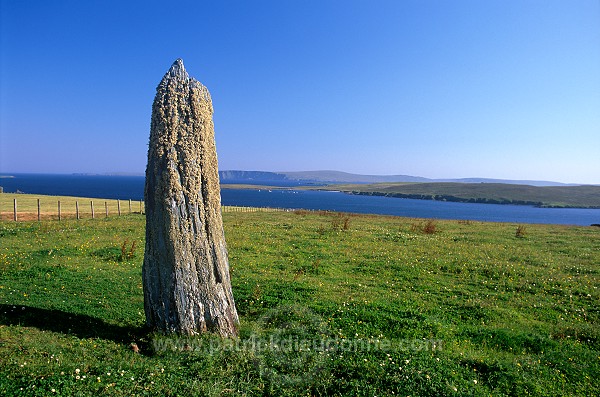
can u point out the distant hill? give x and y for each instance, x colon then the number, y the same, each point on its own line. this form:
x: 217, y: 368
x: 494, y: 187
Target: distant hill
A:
x: 250, y: 176
x: 345, y: 177
x: 336, y: 177
x: 505, y: 181
x: 585, y: 196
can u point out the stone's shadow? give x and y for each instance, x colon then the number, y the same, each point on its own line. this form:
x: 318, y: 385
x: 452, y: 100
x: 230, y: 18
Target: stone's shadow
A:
x: 79, y: 325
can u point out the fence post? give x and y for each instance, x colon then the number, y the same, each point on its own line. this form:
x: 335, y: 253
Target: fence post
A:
x: 59, y: 210
x: 39, y: 212
x: 130, y: 206
x: 106, y: 208
x: 15, y: 210
x: 92, y: 206
x: 77, y: 209
x: 119, y: 207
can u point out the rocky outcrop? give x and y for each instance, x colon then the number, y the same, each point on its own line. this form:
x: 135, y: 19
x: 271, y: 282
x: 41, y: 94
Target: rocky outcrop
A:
x: 186, y: 271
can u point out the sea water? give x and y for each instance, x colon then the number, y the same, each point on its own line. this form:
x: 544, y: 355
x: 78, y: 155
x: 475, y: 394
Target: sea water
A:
x: 132, y: 187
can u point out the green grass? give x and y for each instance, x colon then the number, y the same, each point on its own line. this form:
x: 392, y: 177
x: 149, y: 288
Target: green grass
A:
x: 587, y: 196
x: 329, y: 305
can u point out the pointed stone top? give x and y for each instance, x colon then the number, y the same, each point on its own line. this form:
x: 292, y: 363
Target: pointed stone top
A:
x: 177, y: 70
x: 178, y: 76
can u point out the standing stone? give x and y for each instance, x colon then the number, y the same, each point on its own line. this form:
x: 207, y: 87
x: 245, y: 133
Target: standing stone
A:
x: 186, y: 271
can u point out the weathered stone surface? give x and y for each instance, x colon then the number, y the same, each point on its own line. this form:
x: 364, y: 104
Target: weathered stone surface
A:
x: 186, y: 271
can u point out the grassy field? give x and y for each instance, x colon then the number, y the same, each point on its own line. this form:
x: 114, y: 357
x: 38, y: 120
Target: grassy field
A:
x: 496, y: 193
x: 330, y: 304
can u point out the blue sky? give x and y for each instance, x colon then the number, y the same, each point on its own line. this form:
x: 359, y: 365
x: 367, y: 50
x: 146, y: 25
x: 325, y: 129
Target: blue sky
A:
x: 441, y: 89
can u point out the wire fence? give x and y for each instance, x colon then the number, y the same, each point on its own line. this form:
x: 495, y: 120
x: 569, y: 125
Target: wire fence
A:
x: 22, y: 207
x: 235, y: 208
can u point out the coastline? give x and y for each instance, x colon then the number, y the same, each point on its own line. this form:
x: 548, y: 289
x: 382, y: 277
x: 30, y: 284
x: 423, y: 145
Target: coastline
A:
x: 416, y: 196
